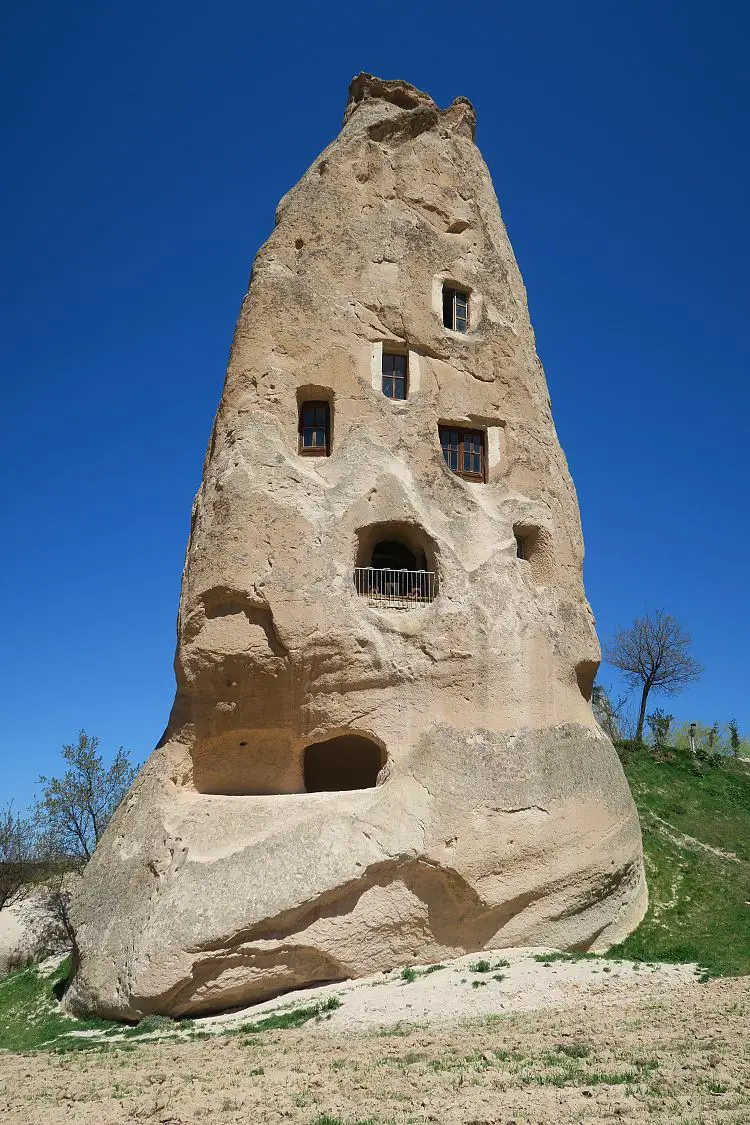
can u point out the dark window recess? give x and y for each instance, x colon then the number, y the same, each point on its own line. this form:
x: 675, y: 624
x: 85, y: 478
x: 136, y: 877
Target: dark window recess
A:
x: 520, y: 547
x: 397, y: 572
x: 394, y: 376
x: 347, y: 762
x: 315, y: 428
x: 393, y: 556
x: 463, y: 451
x: 455, y: 309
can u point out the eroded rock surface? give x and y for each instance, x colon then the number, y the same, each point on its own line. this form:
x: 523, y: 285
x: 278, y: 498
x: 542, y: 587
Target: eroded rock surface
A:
x: 345, y: 787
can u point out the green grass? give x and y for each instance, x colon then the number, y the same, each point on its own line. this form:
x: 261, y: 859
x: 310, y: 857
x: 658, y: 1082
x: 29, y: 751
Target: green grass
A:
x: 698, y: 901
x: 29, y: 1018
x: 293, y: 1017
x: 326, y: 1120
x: 559, y: 955
x: 409, y: 974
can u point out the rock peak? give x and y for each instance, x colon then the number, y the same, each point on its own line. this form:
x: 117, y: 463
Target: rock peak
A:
x: 367, y: 89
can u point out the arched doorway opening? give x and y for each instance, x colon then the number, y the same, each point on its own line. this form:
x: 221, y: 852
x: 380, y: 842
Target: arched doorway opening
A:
x: 391, y: 555
x: 395, y: 566
x: 349, y: 761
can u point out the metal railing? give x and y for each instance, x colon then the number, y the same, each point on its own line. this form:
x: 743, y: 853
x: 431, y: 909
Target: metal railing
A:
x: 395, y: 589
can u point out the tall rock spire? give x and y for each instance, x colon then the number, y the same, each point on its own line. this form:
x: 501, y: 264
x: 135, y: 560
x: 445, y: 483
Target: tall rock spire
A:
x: 382, y: 748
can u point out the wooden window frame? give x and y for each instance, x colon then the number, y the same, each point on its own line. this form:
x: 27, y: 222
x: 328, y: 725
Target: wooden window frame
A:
x: 392, y: 377
x: 462, y: 432
x: 451, y: 293
x: 314, y: 450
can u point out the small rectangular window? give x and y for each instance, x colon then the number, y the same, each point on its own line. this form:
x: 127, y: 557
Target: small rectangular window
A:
x: 395, y: 375
x: 463, y: 451
x: 455, y: 309
x: 315, y: 428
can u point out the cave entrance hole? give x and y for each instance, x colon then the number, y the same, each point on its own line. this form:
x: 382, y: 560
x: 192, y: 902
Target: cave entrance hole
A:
x: 391, y: 555
x: 395, y: 566
x: 349, y: 761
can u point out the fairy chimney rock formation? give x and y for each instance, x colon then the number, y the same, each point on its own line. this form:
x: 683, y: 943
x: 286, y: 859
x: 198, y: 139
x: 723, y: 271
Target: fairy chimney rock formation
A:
x: 382, y: 749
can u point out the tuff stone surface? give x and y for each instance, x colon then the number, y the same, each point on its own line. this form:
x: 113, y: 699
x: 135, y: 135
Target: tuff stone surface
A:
x: 501, y: 816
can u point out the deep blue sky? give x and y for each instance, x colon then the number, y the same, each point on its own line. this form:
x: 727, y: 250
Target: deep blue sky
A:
x: 145, y: 148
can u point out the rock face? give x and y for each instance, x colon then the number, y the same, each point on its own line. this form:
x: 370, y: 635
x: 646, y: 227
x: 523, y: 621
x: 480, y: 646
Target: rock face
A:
x: 382, y: 748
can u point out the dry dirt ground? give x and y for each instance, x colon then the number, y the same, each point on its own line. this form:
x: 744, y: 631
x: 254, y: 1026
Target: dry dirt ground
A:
x: 627, y: 1045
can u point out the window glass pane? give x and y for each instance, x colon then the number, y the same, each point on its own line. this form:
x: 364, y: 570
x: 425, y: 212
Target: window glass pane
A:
x: 462, y: 312
x: 387, y: 386
x: 399, y: 364
x: 314, y: 421
x: 387, y: 363
x: 399, y: 387
x: 448, y: 307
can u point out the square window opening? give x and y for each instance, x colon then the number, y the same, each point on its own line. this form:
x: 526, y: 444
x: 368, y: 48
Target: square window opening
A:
x: 464, y: 452
x: 315, y: 429
x: 395, y: 377
x: 455, y: 309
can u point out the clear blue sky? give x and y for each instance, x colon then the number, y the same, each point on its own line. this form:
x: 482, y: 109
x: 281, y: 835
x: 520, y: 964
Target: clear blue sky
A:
x: 145, y: 148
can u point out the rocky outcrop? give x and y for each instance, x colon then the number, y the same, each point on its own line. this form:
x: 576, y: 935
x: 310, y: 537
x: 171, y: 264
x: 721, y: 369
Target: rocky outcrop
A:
x: 382, y: 747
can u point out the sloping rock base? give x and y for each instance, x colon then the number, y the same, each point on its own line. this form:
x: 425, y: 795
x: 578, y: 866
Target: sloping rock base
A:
x: 488, y: 841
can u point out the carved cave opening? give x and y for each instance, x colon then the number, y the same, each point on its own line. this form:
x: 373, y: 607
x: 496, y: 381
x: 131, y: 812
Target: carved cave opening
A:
x: 585, y: 675
x: 395, y: 566
x: 534, y: 546
x: 349, y: 761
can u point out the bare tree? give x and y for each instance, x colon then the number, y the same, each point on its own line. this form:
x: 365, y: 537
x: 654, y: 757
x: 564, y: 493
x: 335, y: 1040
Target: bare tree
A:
x: 16, y: 854
x: 75, y: 809
x: 612, y: 717
x: 653, y: 653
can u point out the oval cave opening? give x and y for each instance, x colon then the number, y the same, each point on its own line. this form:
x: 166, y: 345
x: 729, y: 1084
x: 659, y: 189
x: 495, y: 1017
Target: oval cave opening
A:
x: 395, y: 566
x: 349, y: 761
x: 391, y: 555
x: 585, y: 675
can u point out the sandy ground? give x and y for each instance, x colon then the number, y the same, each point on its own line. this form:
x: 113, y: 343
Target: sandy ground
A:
x: 566, y: 1042
x: 455, y: 990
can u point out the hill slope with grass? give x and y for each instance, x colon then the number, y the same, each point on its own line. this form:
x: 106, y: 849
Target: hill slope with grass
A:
x: 695, y: 818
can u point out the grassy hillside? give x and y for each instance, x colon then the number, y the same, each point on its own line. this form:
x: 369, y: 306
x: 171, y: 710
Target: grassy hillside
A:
x: 695, y: 818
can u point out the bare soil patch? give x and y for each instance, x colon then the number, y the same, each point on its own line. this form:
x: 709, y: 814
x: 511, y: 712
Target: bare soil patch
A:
x: 641, y: 1046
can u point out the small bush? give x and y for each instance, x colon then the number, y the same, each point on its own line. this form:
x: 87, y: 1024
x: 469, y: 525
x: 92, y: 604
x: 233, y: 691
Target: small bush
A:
x: 150, y: 1024
x: 573, y: 1050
